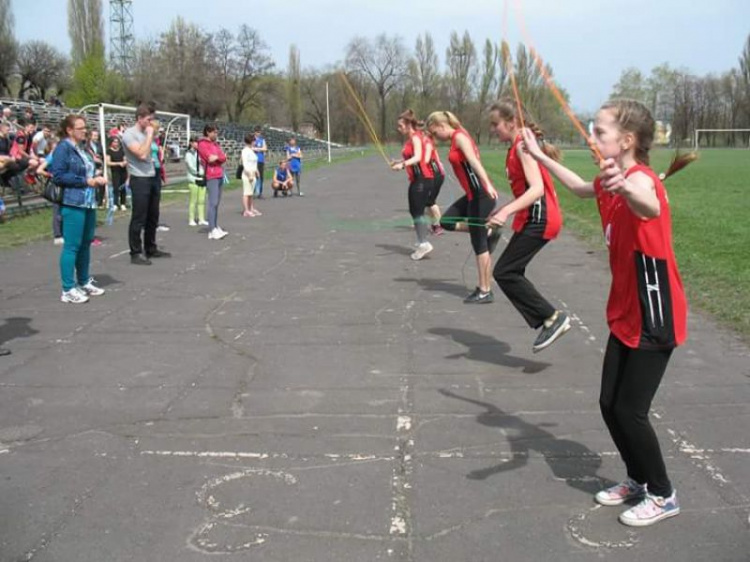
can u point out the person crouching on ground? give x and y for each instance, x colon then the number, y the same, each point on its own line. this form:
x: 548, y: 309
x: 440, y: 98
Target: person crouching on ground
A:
x: 282, y: 180
x: 73, y: 171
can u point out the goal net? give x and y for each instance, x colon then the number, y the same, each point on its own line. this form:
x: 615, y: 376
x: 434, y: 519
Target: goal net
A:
x: 721, y: 138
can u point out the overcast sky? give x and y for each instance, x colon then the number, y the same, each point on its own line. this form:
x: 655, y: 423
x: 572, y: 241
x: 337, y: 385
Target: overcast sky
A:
x: 587, y: 42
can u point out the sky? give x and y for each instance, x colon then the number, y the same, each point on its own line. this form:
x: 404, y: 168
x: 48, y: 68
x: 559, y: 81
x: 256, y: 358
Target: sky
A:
x: 588, y: 43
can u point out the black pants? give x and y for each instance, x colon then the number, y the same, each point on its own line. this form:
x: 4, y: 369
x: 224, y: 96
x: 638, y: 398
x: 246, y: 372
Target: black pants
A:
x: 146, y: 195
x: 419, y: 194
x: 630, y: 378
x: 510, y: 272
x: 475, y: 212
x: 118, y: 176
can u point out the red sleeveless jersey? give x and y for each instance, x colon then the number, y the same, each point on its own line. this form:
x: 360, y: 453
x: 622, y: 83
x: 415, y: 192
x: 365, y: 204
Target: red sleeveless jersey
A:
x: 647, y: 308
x: 465, y: 174
x: 416, y: 171
x: 543, y: 218
x: 434, y: 163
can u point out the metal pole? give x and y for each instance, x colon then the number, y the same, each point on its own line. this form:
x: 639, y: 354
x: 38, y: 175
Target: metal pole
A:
x: 103, y: 143
x: 328, y: 121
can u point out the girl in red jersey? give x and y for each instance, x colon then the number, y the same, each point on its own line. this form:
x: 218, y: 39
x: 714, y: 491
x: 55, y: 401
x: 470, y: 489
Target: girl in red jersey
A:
x: 537, y: 221
x: 646, y: 311
x: 420, y: 178
x: 433, y: 159
x: 470, y: 211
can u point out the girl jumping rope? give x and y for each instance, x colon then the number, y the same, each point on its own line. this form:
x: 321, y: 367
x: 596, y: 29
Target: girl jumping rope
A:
x: 420, y: 178
x: 647, y: 309
x: 470, y: 211
x: 537, y: 221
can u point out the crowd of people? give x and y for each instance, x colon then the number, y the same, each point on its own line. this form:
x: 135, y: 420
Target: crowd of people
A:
x: 646, y: 311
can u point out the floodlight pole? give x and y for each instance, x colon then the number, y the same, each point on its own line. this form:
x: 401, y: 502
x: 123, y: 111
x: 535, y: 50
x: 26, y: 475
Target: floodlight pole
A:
x: 328, y: 122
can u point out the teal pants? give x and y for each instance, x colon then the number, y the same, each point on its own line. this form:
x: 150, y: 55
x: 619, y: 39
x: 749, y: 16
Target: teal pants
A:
x: 78, y: 227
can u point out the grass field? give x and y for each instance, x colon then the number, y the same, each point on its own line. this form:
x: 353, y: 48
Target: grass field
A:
x: 710, y: 221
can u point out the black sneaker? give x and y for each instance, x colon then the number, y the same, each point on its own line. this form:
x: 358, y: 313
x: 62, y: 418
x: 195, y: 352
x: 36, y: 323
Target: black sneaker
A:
x: 550, y: 333
x: 493, y: 238
x: 480, y: 297
x: 138, y: 259
x: 158, y: 254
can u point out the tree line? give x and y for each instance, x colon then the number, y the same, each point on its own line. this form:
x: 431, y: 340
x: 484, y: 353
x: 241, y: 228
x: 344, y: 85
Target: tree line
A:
x: 230, y: 75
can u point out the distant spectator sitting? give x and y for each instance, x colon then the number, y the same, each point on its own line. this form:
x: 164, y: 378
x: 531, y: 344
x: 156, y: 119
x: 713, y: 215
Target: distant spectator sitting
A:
x: 8, y: 120
x: 282, y: 180
x: 40, y: 141
x: 21, y: 148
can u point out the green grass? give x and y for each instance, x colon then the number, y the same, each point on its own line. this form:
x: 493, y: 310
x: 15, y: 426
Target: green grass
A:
x: 710, y: 221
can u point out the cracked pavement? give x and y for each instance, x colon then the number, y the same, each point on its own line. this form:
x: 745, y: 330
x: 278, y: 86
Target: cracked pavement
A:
x: 302, y: 390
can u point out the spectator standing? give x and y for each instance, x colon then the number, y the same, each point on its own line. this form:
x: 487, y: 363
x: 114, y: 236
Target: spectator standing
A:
x: 196, y: 186
x: 260, y: 148
x: 212, y: 158
x: 118, y: 172
x: 72, y: 170
x: 144, y: 188
x: 294, y: 157
x: 249, y: 177
x: 95, y: 149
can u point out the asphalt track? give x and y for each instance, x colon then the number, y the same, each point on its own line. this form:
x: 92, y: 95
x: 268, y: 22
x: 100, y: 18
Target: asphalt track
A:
x: 302, y: 390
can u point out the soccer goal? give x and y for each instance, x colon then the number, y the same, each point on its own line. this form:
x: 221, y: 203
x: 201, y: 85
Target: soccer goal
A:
x: 103, y: 108
x: 722, y: 138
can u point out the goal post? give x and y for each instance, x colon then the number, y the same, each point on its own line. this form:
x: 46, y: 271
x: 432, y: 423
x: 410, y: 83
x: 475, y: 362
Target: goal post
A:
x: 101, y: 107
x: 696, y: 139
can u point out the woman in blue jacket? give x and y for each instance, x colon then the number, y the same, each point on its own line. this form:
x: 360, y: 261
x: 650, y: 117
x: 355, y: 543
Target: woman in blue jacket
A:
x: 74, y: 172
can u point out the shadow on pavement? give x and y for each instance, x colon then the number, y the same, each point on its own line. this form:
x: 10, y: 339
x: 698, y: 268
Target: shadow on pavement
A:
x: 487, y: 349
x: 16, y: 327
x: 393, y: 249
x: 440, y: 285
x: 569, y: 460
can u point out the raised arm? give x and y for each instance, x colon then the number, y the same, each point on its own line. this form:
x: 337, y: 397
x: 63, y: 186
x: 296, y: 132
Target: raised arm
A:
x: 142, y: 151
x: 567, y: 177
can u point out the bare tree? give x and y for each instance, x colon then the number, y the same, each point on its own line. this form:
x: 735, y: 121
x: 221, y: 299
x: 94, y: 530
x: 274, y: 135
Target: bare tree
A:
x: 294, y: 99
x: 424, y: 72
x: 503, y: 69
x: 632, y: 85
x: 8, y: 46
x: 461, y: 58
x: 86, y: 29
x: 744, y: 72
x: 487, y: 83
x: 250, y: 64
x: 383, y: 63
x: 40, y: 67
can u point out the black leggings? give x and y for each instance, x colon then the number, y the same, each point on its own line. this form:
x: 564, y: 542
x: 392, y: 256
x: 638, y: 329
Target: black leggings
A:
x: 437, y: 183
x: 419, y: 194
x: 510, y: 274
x: 630, y: 378
x: 475, y: 212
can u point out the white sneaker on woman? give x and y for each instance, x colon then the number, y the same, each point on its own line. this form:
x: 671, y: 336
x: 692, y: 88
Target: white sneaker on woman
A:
x: 203, y: 223
x: 216, y: 234
x: 74, y: 296
x: 91, y: 290
x: 422, y: 250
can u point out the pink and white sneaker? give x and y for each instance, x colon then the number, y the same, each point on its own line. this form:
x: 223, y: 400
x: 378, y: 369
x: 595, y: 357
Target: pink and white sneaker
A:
x: 620, y: 493
x: 651, y: 510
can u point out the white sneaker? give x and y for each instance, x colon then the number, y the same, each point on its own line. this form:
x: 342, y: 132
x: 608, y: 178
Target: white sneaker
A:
x: 203, y: 223
x: 74, y: 296
x: 123, y: 208
x: 224, y: 232
x: 192, y: 223
x: 59, y: 241
x: 216, y: 234
x: 92, y: 290
x: 422, y: 250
